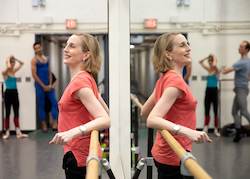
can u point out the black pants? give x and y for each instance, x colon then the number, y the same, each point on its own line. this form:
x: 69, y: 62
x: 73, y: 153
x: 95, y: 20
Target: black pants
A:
x: 71, y: 169
x: 169, y: 171
x: 211, y: 97
x: 11, y: 98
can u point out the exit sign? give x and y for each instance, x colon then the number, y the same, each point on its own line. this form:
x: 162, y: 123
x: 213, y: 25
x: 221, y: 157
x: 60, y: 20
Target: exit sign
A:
x: 71, y: 23
x: 150, y: 23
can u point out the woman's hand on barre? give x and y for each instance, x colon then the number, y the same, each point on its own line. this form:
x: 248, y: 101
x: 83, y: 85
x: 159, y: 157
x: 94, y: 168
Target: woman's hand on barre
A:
x: 63, y: 138
x: 196, y: 136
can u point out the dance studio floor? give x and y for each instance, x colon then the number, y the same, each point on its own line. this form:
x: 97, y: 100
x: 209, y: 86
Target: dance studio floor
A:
x: 34, y: 158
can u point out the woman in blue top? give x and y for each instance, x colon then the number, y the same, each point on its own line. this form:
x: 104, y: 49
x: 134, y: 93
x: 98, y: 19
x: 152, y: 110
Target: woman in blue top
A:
x: 211, y: 91
x: 11, y: 95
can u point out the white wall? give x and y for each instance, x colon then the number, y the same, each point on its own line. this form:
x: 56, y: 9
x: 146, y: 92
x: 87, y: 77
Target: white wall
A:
x: 199, y: 10
x: 13, y: 11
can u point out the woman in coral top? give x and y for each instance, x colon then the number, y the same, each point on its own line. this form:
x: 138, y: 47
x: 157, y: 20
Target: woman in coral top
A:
x: 172, y: 106
x: 81, y: 108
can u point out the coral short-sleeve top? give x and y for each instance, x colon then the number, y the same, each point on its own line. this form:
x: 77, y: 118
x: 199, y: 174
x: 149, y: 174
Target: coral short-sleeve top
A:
x: 72, y: 113
x: 182, y: 112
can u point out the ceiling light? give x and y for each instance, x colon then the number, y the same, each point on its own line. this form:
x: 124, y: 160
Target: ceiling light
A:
x: 132, y: 46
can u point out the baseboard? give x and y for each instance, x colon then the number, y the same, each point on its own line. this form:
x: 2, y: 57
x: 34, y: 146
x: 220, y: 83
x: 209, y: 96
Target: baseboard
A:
x: 209, y: 130
x: 14, y: 132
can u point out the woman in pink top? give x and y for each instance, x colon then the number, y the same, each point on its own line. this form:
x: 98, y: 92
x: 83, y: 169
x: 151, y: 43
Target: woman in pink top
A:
x: 172, y: 106
x: 81, y: 108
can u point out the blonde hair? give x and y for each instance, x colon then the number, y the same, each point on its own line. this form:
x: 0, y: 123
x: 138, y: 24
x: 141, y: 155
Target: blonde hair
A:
x: 90, y: 43
x: 162, y: 44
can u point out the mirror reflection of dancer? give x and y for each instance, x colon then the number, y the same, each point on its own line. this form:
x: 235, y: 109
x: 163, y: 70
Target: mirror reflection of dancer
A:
x: 211, y: 91
x: 242, y: 75
x: 172, y: 106
x: 11, y: 96
x: 43, y: 82
x: 81, y: 108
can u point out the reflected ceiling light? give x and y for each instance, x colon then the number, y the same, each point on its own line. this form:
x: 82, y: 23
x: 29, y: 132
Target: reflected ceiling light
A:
x: 132, y: 46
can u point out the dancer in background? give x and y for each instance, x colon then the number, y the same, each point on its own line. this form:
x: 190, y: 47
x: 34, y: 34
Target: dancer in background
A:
x: 43, y: 82
x: 172, y: 106
x: 211, y: 91
x: 81, y: 108
x: 187, y: 72
x: 241, y: 77
x: 11, y: 96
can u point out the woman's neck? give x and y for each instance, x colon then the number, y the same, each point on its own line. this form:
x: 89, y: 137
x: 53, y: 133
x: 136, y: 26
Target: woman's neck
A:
x: 178, y: 70
x: 75, y: 72
x: 11, y: 72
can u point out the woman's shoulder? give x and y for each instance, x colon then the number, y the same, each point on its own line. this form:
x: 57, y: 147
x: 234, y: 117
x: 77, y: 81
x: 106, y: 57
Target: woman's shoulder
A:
x: 5, y: 76
x: 171, y: 75
x: 83, y: 77
x: 170, y: 79
x: 9, y: 77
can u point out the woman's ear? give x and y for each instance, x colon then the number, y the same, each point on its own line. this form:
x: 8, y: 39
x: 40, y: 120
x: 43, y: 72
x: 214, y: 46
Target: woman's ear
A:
x: 168, y: 55
x: 86, y: 56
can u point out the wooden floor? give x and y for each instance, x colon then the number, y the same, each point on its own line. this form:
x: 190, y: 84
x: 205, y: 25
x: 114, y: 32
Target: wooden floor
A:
x: 221, y: 159
x: 34, y: 158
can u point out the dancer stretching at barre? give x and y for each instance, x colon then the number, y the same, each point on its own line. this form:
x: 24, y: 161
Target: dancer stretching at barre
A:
x: 172, y: 106
x: 81, y: 109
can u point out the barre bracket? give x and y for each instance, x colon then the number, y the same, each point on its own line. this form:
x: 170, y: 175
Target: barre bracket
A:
x: 135, y: 150
x: 93, y: 156
x: 184, y: 170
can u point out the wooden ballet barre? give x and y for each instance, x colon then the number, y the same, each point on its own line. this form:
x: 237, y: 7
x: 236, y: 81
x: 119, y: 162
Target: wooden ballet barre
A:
x: 226, y: 80
x: 190, y: 163
x: 93, y: 163
x: 136, y: 101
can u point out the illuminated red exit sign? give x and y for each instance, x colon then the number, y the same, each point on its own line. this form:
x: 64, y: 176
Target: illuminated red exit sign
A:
x: 71, y: 23
x: 150, y: 23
